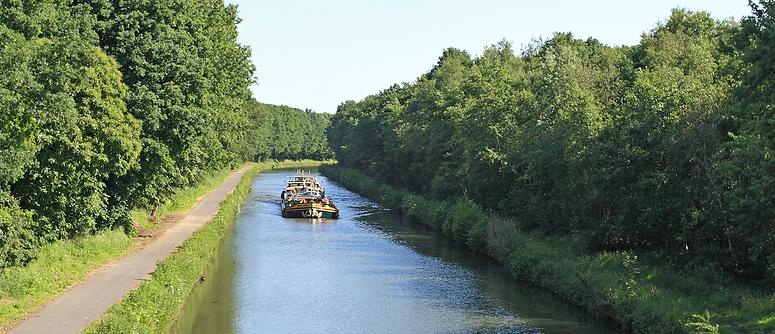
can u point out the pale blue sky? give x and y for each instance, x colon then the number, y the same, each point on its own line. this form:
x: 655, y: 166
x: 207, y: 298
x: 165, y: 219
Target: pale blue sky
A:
x: 317, y: 54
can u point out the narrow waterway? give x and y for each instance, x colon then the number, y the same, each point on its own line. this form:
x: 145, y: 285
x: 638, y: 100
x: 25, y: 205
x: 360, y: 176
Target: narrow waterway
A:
x: 368, y: 272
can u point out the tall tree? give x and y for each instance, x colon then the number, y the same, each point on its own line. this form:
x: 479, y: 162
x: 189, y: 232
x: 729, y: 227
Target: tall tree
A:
x: 187, y: 81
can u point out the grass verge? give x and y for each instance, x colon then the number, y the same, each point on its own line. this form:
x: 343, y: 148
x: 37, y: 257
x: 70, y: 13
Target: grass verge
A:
x: 154, y: 306
x: 636, y: 292
x: 58, y: 266
x: 181, y: 201
x: 63, y: 263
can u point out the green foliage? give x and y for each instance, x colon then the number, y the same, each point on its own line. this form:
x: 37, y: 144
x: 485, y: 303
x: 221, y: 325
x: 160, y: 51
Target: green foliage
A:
x: 282, y: 132
x: 430, y: 212
x: 701, y: 324
x: 86, y: 137
x: 108, y: 109
x: 748, y: 163
x: 18, y: 128
x: 663, y: 147
x: 66, y: 118
x: 463, y: 222
x: 601, y: 157
x: 392, y: 197
x: 17, y: 240
x: 187, y: 82
x: 503, y: 236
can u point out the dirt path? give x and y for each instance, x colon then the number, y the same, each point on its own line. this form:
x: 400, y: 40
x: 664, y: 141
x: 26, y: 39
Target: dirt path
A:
x: 74, y: 310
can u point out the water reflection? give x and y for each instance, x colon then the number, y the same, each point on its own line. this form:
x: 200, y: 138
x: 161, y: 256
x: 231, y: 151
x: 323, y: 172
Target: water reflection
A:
x: 368, y: 272
x: 210, y: 307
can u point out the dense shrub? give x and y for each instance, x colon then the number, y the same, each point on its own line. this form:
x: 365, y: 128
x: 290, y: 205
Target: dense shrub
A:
x: 431, y: 212
x: 465, y: 222
x: 17, y: 240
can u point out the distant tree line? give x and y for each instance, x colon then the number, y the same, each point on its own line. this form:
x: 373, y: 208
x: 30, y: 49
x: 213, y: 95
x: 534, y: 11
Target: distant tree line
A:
x: 666, y: 147
x: 282, y: 132
x: 107, y: 106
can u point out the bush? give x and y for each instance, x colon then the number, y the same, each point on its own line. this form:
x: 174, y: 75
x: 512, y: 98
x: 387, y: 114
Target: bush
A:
x: 476, y: 239
x: 461, y: 218
x: 430, y: 212
x: 391, y: 197
x: 18, y: 243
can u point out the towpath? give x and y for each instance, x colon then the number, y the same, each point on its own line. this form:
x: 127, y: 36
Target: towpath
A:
x: 77, y: 308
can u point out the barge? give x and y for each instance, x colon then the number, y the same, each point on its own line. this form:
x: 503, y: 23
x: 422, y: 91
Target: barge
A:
x: 304, y: 197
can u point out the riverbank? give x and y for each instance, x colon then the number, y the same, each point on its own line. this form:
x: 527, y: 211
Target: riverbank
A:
x: 59, y: 266
x: 386, y: 275
x: 636, y: 293
x: 154, y: 306
x: 64, y: 263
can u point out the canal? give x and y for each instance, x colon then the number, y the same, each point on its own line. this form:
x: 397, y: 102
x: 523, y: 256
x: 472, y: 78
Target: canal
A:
x: 368, y: 272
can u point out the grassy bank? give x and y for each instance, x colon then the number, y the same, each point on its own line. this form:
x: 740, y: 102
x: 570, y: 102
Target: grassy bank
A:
x: 61, y: 264
x: 181, y: 201
x: 58, y: 266
x: 154, y: 306
x: 635, y: 292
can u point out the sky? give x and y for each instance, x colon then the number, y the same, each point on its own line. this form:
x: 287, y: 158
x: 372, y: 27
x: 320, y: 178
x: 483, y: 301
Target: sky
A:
x: 317, y: 54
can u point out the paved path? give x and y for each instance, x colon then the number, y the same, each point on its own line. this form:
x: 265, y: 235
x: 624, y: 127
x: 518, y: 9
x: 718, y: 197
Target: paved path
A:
x: 77, y: 308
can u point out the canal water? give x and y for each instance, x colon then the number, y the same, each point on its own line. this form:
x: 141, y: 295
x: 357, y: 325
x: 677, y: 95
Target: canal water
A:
x: 368, y: 272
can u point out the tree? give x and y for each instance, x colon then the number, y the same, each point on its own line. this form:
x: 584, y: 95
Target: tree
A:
x: 664, y: 147
x: 188, y: 79
x: 749, y: 164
